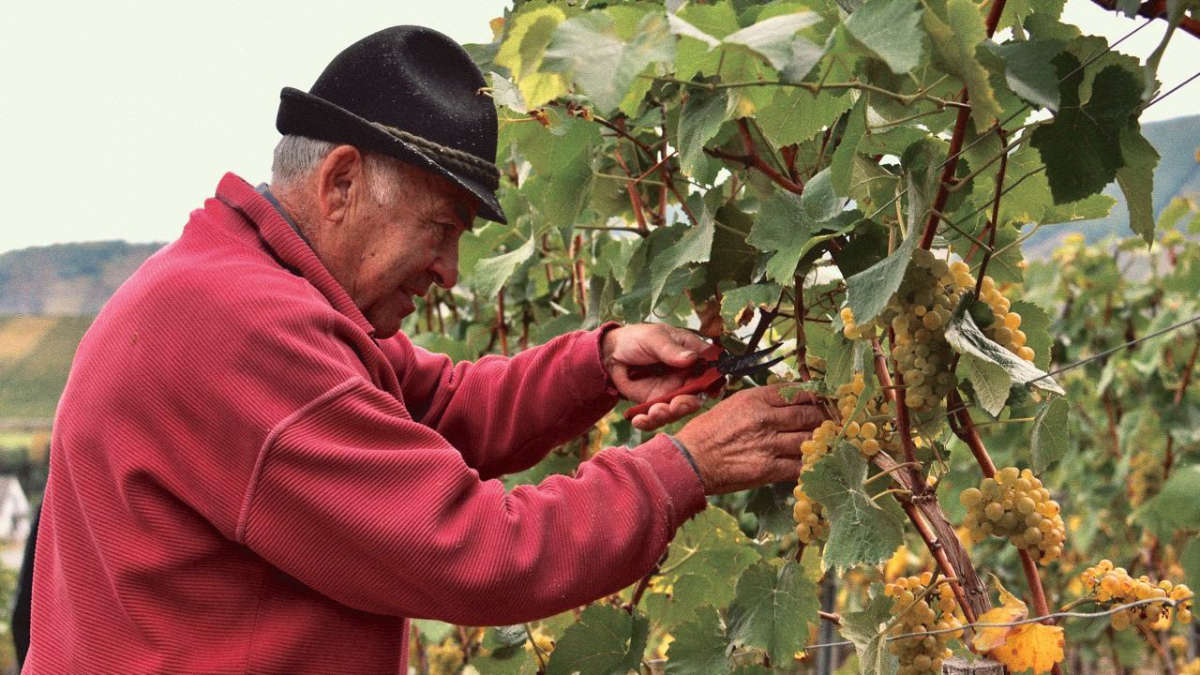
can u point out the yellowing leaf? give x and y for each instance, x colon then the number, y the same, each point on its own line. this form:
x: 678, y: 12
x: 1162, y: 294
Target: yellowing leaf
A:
x: 522, y: 54
x: 987, y: 639
x: 1032, y: 645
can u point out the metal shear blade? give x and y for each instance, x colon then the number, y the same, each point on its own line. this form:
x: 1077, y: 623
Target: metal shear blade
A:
x: 744, y: 364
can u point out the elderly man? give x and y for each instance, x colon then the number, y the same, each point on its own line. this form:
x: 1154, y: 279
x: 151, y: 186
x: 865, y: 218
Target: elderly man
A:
x: 253, y: 470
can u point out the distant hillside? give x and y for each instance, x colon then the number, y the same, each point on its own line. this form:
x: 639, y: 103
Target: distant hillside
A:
x: 67, y: 279
x: 1177, y: 173
x: 35, y: 355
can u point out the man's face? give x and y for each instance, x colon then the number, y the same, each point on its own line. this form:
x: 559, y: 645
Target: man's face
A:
x: 390, y: 252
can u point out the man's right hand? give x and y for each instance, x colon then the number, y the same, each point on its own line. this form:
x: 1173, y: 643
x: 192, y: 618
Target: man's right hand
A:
x: 751, y: 438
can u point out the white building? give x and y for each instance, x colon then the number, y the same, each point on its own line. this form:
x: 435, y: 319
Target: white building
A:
x: 15, y: 513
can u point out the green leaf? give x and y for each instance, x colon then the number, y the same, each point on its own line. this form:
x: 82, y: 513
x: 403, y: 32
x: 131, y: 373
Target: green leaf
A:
x: 796, y: 115
x: 492, y: 273
x: 773, y: 608
x: 1191, y: 562
x: 1051, y: 434
x: 966, y: 338
x: 706, y: 552
x: 700, y: 645
x: 773, y: 40
x: 955, y: 40
x: 699, y: 121
x: 990, y: 382
x: 1029, y: 70
x: 861, y: 531
x: 694, y: 246
x: 604, y: 640
x: 1081, y: 148
x: 522, y: 52
x: 733, y: 259
x: 868, y: 291
x: 891, y: 30
x: 788, y: 225
x: 1175, y: 507
x: 866, y: 629
x: 589, y: 48
x: 734, y: 300
x: 1136, y: 179
x: 1035, y: 323
x: 841, y: 167
x: 505, y: 92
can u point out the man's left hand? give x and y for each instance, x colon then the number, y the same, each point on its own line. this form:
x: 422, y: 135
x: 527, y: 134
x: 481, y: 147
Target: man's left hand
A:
x: 645, y: 345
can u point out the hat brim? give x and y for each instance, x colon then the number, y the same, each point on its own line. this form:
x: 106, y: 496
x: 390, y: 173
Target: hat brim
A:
x: 303, y: 114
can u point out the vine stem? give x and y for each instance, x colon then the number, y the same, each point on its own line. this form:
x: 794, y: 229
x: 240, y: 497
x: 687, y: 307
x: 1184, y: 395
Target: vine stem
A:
x: 896, y: 395
x: 939, y: 555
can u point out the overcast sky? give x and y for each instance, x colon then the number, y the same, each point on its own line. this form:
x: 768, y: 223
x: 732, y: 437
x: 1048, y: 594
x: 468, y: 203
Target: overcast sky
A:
x: 121, y: 116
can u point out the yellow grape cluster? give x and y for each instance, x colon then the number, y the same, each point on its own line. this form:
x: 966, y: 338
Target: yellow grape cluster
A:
x: 916, y: 614
x: 445, y: 658
x: 1014, y: 504
x: 870, y: 430
x: 1115, y: 585
x: 810, y: 520
x: 918, y: 314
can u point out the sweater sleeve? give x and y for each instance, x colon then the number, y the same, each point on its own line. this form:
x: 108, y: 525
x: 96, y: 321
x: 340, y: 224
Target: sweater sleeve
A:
x: 504, y: 414
x: 356, y: 500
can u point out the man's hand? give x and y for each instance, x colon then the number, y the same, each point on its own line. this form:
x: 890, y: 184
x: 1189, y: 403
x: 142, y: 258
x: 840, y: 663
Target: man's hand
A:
x: 751, y: 438
x: 648, y: 344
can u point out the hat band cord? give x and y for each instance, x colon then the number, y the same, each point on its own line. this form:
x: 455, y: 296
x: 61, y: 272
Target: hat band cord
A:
x: 477, y: 168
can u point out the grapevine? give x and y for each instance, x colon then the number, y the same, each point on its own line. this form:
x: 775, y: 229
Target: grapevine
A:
x: 855, y: 184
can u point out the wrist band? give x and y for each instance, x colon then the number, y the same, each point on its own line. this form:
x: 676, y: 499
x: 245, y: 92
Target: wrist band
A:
x: 686, y: 455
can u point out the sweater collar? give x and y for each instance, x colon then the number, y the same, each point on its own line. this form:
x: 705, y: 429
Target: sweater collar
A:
x: 287, y: 245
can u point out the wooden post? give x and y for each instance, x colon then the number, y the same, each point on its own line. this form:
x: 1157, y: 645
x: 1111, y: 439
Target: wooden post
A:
x: 957, y: 666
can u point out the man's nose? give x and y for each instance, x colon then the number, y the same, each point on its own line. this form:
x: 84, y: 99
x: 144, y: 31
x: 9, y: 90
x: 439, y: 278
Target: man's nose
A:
x: 445, y: 268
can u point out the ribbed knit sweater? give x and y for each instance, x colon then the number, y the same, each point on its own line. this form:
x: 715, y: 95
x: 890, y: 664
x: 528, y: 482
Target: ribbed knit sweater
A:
x: 244, y: 480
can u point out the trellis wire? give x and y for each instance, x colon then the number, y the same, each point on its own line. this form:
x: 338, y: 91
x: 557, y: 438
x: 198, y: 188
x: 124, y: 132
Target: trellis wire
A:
x: 1012, y: 624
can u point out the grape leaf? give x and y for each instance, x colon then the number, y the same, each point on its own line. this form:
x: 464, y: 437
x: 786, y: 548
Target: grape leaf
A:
x: 1081, y: 147
x: 699, y: 121
x: 1051, y: 434
x: 1136, y: 179
x: 772, y: 609
x: 868, y: 291
x: 773, y: 40
x: 954, y: 41
x: 861, y: 531
x: 990, y: 382
x: 1029, y: 70
x: 604, y: 640
x: 891, y: 30
x: 505, y: 92
x: 492, y: 273
x: 796, y: 115
x: 701, y: 28
x: 733, y: 259
x: 1190, y: 560
x: 734, y: 300
x: 1176, y: 506
x: 841, y: 167
x: 966, y: 338
x: 589, y: 49
x: 522, y: 52
x: 866, y: 629
x: 1036, y: 326
x: 789, y: 226
x: 694, y: 246
x: 700, y: 645
x: 709, y: 549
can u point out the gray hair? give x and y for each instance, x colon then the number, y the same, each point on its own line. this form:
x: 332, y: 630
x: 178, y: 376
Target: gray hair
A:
x: 297, y: 156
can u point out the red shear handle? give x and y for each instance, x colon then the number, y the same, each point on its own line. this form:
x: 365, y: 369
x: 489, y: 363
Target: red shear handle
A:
x: 696, y: 385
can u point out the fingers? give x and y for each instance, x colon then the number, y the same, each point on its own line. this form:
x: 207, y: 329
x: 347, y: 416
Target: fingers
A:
x: 676, y: 346
x: 665, y: 413
x: 785, y: 394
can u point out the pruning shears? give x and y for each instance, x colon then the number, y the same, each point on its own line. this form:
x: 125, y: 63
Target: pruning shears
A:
x: 713, y: 366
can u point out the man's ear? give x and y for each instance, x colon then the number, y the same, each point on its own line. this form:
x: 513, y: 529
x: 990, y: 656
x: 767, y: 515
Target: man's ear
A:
x: 341, y: 180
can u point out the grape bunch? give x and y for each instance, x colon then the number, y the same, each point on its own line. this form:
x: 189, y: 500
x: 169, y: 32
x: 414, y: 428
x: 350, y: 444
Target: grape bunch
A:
x: 870, y: 430
x: 1014, y: 504
x: 916, y: 614
x: 810, y: 521
x: 1115, y: 585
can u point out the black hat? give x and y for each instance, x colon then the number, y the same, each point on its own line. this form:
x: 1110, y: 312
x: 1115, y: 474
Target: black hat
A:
x: 411, y: 93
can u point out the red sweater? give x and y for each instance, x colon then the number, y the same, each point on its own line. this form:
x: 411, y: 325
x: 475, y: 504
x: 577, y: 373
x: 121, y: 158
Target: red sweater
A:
x: 243, y: 479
